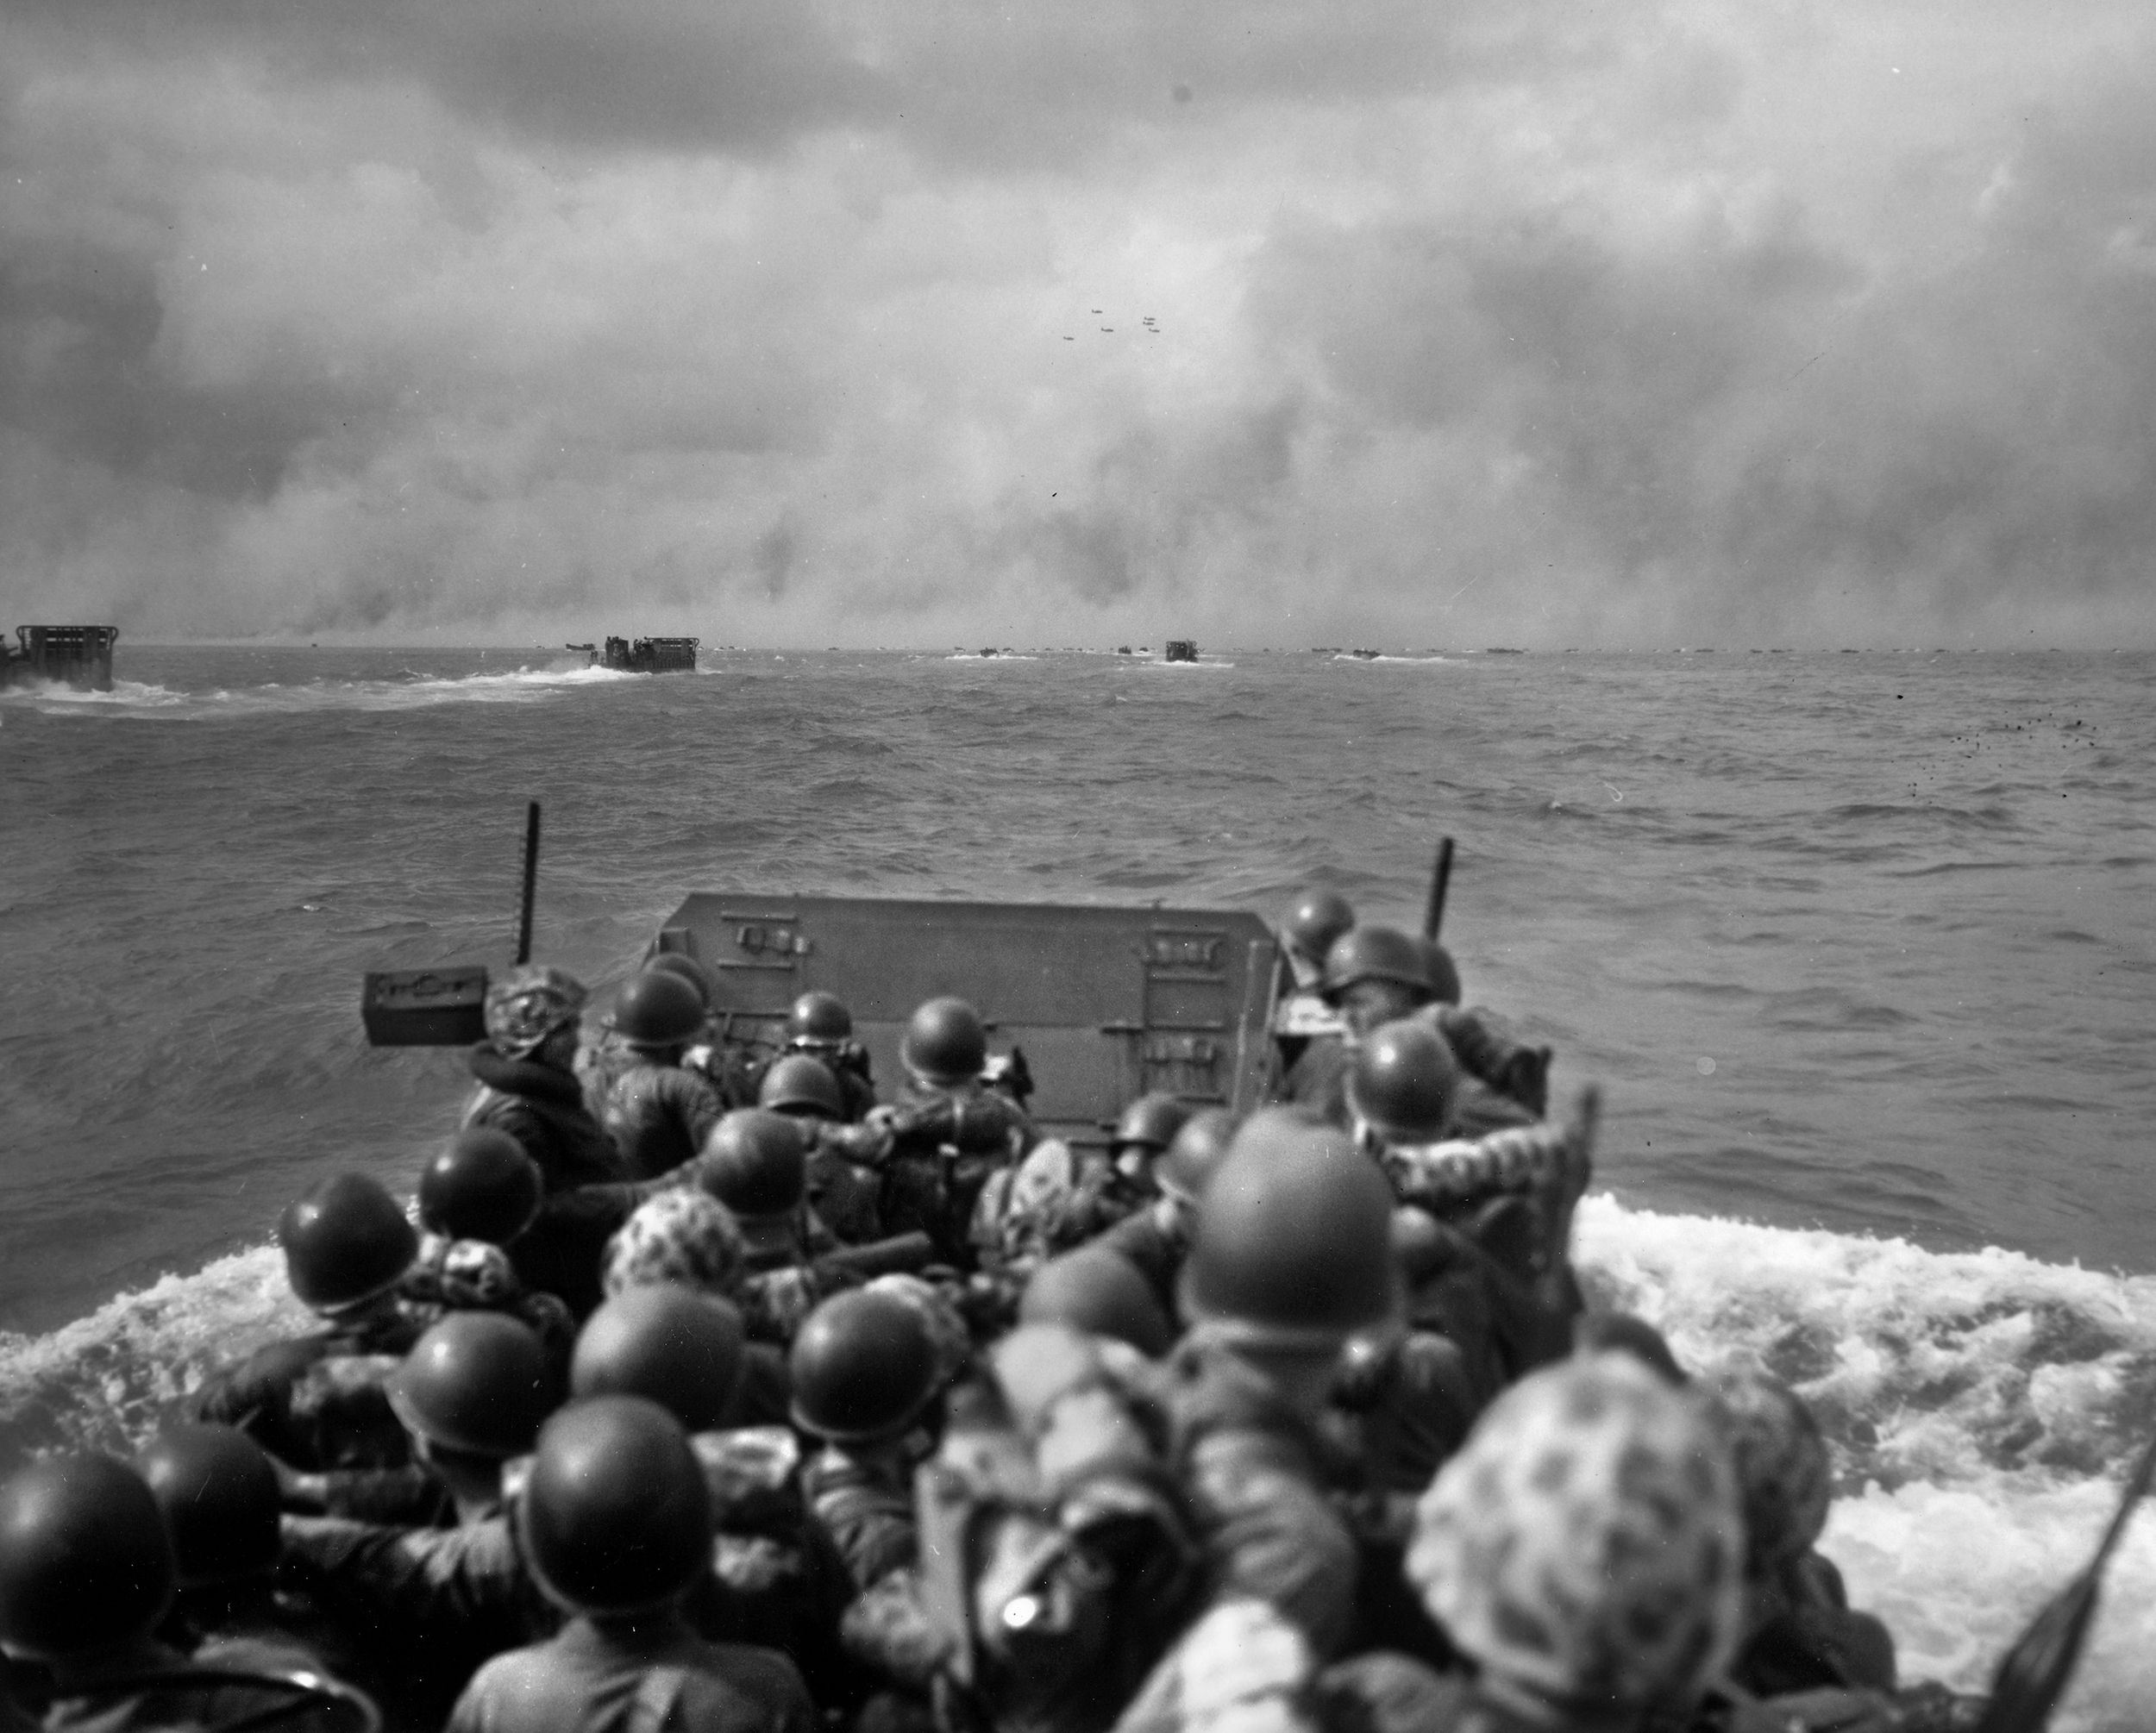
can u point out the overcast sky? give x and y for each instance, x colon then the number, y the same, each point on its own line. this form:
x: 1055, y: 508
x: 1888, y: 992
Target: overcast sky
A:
x: 1404, y: 324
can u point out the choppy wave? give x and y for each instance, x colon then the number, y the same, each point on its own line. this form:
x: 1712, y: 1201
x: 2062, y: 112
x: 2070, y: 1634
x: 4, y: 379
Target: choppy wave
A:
x: 413, y: 692
x: 1979, y: 1405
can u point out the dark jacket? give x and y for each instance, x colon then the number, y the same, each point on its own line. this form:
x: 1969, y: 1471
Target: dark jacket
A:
x: 561, y: 1252
x: 159, y: 1689
x: 865, y: 1510
x: 316, y: 1402
x: 1259, y: 1479
x: 1154, y: 1252
x: 543, y: 1109
x: 652, y: 1676
x: 428, y: 1605
x: 657, y: 1115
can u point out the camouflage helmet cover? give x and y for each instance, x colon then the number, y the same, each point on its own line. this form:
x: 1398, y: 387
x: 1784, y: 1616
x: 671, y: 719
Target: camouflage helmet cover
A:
x: 528, y: 1005
x: 682, y: 1235
x: 1784, y: 1475
x: 1586, y: 1544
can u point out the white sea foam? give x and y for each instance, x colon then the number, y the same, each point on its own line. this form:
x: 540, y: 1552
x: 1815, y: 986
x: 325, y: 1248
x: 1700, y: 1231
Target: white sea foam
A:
x: 124, y: 695
x: 414, y: 692
x: 103, y: 1381
x: 1980, y: 1405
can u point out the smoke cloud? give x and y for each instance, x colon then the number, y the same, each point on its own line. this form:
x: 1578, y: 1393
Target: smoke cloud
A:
x: 1802, y: 323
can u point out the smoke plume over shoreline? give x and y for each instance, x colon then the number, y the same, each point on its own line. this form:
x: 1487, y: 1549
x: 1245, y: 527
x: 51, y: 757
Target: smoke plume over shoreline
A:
x: 1804, y: 324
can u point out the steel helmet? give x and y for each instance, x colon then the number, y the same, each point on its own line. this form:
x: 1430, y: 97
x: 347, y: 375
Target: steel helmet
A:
x: 345, y: 1243
x: 863, y: 1366
x: 478, y: 1382
x: 680, y: 1235
x: 682, y: 964
x: 1150, y: 1122
x: 755, y: 1162
x: 219, y: 1498
x: 1100, y: 1292
x: 483, y: 1186
x: 84, y: 1560
x: 1294, y: 1243
x: 1318, y: 918
x: 1401, y: 1082
x: 680, y: 1349
x: 819, y: 1019
x: 1375, y: 953
x: 615, y: 1516
x: 1444, y: 972
x: 1784, y: 1475
x: 802, y: 1084
x: 658, y: 1009
x: 1195, y: 1151
x: 1586, y: 1543
x: 526, y: 1006
x: 944, y: 1042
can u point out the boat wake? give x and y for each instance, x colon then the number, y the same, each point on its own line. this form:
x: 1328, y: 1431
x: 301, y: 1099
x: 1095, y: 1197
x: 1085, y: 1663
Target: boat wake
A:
x: 413, y: 692
x: 1981, y: 1407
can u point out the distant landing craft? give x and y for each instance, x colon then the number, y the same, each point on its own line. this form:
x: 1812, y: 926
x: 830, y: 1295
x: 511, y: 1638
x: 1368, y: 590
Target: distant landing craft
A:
x: 78, y: 656
x: 645, y: 656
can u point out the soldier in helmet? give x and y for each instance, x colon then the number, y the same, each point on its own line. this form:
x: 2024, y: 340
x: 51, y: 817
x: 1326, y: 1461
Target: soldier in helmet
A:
x: 218, y: 1494
x: 843, y: 1184
x: 1800, y: 1633
x: 476, y: 1198
x: 866, y: 1378
x: 86, y: 1572
x: 1375, y: 975
x: 949, y: 1133
x: 1157, y: 1239
x: 472, y: 1393
x: 686, y: 1237
x: 615, y: 1522
x: 1585, y: 1551
x: 1290, y: 1264
x: 1060, y: 1196
x: 755, y: 1162
x: 656, y: 1110
x: 775, y: 1579
x: 316, y: 1402
x: 527, y: 1081
x: 1306, y: 933
x: 820, y: 1026
x: 1508, y: 1196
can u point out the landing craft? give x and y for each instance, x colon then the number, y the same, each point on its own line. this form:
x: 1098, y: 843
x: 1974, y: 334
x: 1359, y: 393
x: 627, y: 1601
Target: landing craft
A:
x: 77, y: 656
x: 644, y: 656
x: 1099, y: 1005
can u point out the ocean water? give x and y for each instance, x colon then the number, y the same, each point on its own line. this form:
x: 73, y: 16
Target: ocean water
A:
x: 1858, y: 947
